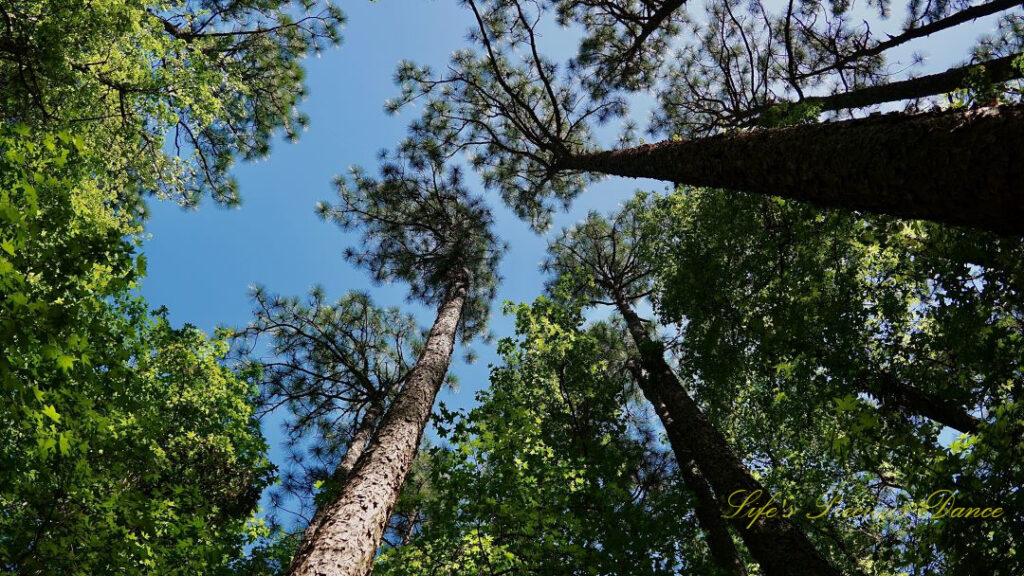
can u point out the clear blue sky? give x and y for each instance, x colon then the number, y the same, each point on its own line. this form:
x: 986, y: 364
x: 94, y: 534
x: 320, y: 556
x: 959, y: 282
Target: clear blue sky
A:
x: 201, y: 262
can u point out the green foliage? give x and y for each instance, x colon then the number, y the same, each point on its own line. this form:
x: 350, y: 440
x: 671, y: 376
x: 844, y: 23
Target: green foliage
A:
x: 141, y: 455
x: 979, y: 90
x: 604, y: 261
x: 832, y: 350
x: 556, y: 472
x: 787, y: 113
x: 852, y: 340
x: 170, y: 92
x: 269, y: 557
x: 125, y: 446
x: 66, y: 251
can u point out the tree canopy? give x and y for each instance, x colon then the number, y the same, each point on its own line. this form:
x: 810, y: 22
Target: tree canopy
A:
x: 170, y: 92
x: 804, y: 356
x: 129, y: 446
x: 740, y: 73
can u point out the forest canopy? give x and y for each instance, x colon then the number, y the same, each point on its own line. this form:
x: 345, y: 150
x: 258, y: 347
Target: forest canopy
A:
x: 794, y: 347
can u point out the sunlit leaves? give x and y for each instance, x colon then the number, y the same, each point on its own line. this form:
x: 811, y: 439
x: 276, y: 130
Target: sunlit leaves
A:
x: 847, y: 337
x: 152, y: 456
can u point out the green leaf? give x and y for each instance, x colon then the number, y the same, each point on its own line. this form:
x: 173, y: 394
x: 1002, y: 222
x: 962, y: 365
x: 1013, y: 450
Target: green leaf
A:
x: 846, y: 403
x: 51, y: 412
x: 65, y: 362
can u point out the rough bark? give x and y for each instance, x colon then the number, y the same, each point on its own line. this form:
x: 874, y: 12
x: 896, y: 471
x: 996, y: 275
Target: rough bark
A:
x: 960, y: 167
x: 348, y: 537
x: 778, y: 545
x: 356, y: 447
x: 706, y: 507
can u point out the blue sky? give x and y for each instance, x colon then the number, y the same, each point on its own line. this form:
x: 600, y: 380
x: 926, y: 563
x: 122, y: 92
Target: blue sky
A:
x: 202, y: 261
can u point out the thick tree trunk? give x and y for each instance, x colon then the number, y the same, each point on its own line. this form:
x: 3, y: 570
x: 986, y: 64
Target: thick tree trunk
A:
x: 777, y: 544
x: 350, y: 533
x: 706, y: 507
x: 961, y: 167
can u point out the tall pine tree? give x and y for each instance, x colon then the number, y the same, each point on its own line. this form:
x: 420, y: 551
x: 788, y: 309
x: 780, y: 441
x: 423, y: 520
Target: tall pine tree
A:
x: 420, y: 225
x: 605, y: 259
x: 336, y: 368
x: 740, y: 76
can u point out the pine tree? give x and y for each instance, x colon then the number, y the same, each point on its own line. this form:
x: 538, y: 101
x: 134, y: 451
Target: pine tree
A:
x: 723, y: 104
x: 336, y: 368
x: 419, y: 224
x: 830, y: 350
x: 606, y: 261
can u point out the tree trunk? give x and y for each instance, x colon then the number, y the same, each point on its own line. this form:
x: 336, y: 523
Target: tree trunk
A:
x: 994, y: 71
x: 350, y: 533
x: 720, y: 543
x: 961, y: 167
x: 356, y: 447
x: 360, y: 441
x: 706, y: 507
x: 777, y: 544
x: 895, y: 395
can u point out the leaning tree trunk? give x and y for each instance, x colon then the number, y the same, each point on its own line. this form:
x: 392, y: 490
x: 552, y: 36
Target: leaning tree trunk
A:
x: 994, y: 71
x: 898, y: 396
x: 720, y: 543
x: 778, y: 545
x: 706, y: 507
x: 356, y: 447
x: 353, y: 524
x: 360, y: 441
x: 961, y: 167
